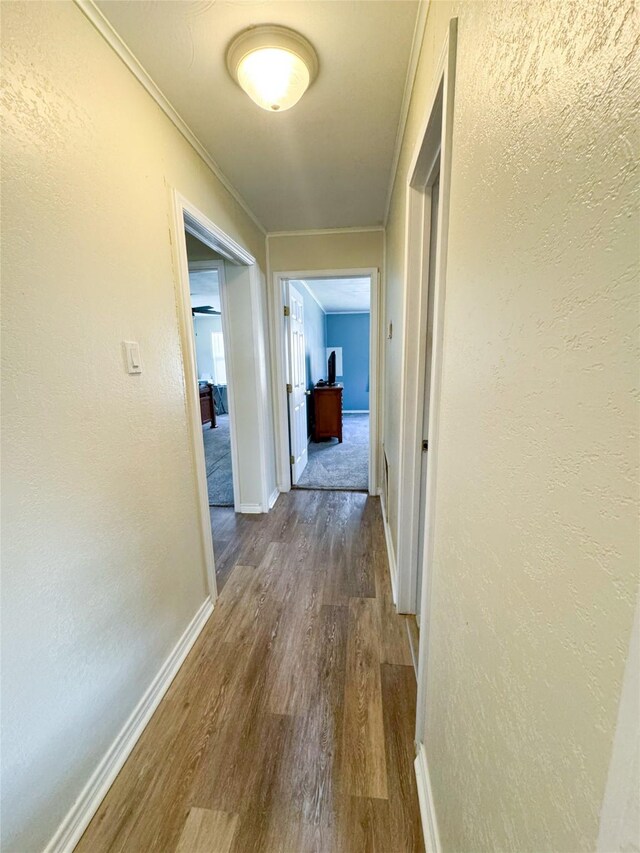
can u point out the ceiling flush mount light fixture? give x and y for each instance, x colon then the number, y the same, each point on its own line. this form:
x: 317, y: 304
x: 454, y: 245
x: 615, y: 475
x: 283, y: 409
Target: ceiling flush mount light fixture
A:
x: 274, y: 65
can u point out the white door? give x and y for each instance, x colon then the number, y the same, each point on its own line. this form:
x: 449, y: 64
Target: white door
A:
x: 433, y: 248
x: 298, y: 385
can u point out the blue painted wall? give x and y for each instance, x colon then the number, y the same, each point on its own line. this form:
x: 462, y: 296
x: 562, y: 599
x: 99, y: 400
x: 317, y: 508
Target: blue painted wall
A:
x: 351, y: 332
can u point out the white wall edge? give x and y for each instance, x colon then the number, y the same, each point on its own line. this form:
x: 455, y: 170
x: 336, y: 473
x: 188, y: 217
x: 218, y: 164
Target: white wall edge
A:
x: 250, y: 509
x: 354, y: 411
x: 79, y: 816
x: 273, y: 497
x: 113, y: 39
x: 390, y: 552
x: 427, y: 807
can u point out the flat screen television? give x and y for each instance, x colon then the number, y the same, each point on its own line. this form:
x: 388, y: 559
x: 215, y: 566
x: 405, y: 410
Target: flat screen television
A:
x: 331, y: 369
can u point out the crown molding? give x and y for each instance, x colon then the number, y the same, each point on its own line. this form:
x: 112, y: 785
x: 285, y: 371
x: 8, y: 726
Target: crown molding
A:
x: 416, y: 47
x: 317, y: 232
x: 102, y: 25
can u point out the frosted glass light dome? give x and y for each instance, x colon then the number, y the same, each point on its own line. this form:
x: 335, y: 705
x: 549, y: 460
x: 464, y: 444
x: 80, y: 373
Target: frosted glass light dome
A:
x: 274, y: 65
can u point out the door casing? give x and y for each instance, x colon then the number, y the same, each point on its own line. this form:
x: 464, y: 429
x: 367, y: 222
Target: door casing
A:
x: 434, y: 143
x: 187, y: 217
x: 297, y: 399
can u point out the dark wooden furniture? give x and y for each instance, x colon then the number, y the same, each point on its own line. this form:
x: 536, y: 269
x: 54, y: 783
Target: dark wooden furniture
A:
x: 207, y: 406
x: 327, y: 412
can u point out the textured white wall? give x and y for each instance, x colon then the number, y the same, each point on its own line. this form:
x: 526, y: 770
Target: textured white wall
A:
x: 536, y: 542
x: 102, y: 563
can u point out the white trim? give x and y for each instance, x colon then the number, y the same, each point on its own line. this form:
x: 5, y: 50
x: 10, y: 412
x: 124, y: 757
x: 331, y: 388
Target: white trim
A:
x: 382, y: 375
x: 354, y: 411
x: 199, y: 224
x: 258, y: 323
x: 273, y: 497
x: 433, y: 141
x: 279, y: 363
x: 317, y: 232
x: 433, y: 135
x: 412, y: 68
x: 391, y: 557
x: 113, y: 39
x: 79, y: 815
x: 214, y: 237
x: 250, y: 509
x: 278, y: 342
x: 187, y: 340
x: 427, y: 806
x: 231, y: 392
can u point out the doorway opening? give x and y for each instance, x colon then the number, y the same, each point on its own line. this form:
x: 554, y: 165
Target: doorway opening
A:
x: 327, y: 379
x: 207, y: 284
x: 222, y: 329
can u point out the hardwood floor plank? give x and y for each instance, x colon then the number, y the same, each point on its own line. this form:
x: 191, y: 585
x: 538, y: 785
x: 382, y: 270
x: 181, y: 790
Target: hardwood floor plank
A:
x: 259, y: 827
x: 292, y: 717
x: 296, y: 651
x: 316, y: 748
x: 363, y: 737
x: 369, y: 822
x: 207, y: 831
x: 399, y: 702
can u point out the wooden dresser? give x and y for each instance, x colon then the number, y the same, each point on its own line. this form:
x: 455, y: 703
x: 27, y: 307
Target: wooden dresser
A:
x: 207, y: 406
x: 327, y: 412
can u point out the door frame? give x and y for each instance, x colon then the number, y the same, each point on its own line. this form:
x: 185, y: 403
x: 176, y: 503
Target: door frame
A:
x: 291, y: 406
x: 277, y: 302
x: 434, y: 142
x: 228, y: 363
x: 187, y: 217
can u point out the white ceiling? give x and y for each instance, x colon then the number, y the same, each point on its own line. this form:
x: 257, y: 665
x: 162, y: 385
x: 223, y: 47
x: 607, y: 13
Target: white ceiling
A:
x: 326, y: 163
x: 340, y: 295
x: 204, y: 288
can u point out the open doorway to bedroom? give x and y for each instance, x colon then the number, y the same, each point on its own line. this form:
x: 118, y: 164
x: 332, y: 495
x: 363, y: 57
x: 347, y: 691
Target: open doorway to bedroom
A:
x: 329, y: 364
x: 206, y: 285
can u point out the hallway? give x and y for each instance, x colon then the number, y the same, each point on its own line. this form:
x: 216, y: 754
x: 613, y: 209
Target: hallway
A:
x: 290, y: 726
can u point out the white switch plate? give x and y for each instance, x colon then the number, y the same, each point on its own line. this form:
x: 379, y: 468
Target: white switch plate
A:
x: 132, y: 356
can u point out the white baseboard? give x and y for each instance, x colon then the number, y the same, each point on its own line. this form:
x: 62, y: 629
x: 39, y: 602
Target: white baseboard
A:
x: 355, y: 411
x: 78, y: 817
x: 427, y: 807
x: 251, y: 509
x: 393, y: 571
x: 274, y: 497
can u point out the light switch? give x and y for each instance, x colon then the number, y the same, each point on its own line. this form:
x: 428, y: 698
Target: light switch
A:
x: 132, y: 356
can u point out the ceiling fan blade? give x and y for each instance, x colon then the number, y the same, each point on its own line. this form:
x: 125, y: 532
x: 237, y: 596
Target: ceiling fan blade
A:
x: 205, y: 309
